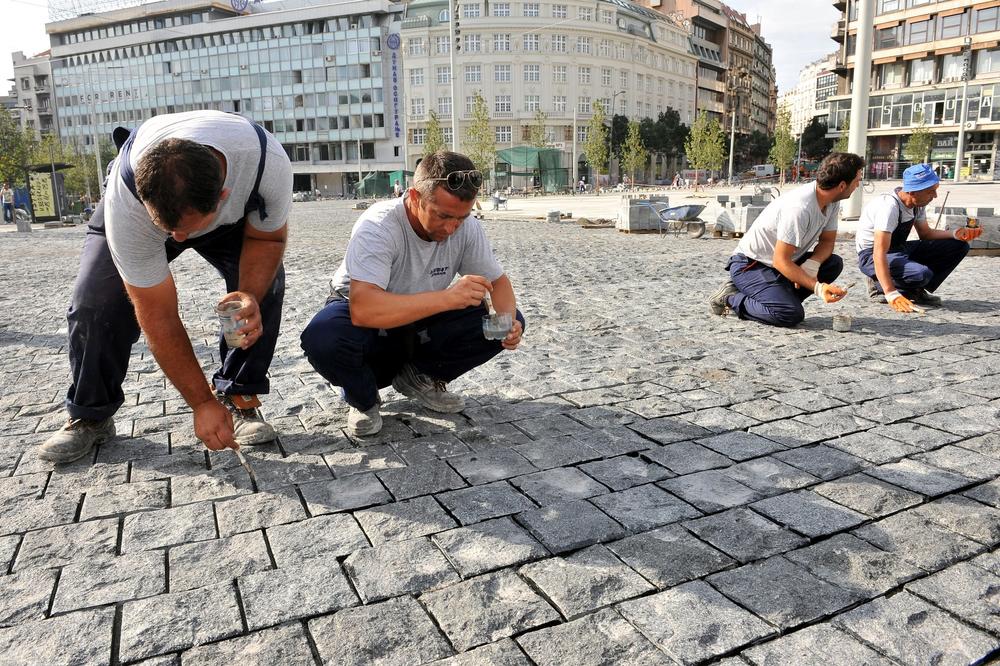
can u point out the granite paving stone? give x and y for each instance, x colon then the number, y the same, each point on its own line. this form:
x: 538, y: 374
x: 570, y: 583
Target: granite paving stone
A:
x: 915, y: 434
x: 570, y: 525
x: 502, y: 653
x: 987, y: 493
x: 493, y: 465
x: 809, y: 513
x: 369, y: 459
x: 745, y: 535
x: 562, y: 484
x: 264, y: 509
x: 711, y: 490
x: 420, y: 479
x: 855, y: 565
x: 72, y: 479
x: 623, y: 472
x: 95, y: 583
x: 670, y: 429
x: 610, y: 442
x: 429, y: 449
x: 769, y: 476
x: 492, y: 500
x: 489, y: 545
x: 398, y: 567
x: 967, y: 517
x: 486, y: 437
x: 551, y: 425
x: 874, y: 448
x: 825, y: 462
x: 867, y: 495
x: 739, y: 445
x: 179, y: 620
x: 920, y: 477
x: 970, y: 464
x: 557, y: 451
x: 968, y: 591
x: 24, y: 514
x: 644, y: 507
x: 605, y: 416
x: 319, y: 538
x: 209, y: 562
x: 818, y: 645
x: 91, y: 540
x: 601, y: 638
x: 176, y: 466
x: 287, y: 644
x: 686, y: 457
x: 155, y: 529
x: 75, y: 638
x: 113, y: 500
x: 585, y: 581
x: 911, y: 631
x: 487, y: 608
x: 8, y: 548
x: 404, y: 520
x: 988, y: 561
x: 692, y: 622
x: 25, y: 596
x: 790, y: 432
x: 669, y: 556
x: 919, y: 541
x: 355, y: 491
x: 782, y: 592
x: 301, y: 590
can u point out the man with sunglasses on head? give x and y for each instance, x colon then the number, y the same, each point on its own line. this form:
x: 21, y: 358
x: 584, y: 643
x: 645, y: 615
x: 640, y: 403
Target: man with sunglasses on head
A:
x: 396, y: 315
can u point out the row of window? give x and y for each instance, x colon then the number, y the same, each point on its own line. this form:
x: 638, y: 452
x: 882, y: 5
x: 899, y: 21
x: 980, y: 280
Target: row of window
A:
x: 531, y: 10
x: 532, y: 103
x: 946, y: 68
x: 939, y: 27
x: 932, y: 107
x: 346, y: 151
x: 532, y: 73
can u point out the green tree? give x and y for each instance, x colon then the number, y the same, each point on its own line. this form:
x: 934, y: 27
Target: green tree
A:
x: 596, y: 145
x: 536, y: 133
x: 918, y: 147
x: 16, y: 149
x: 634, y: 153
x: 705, y: 144
x: 435, y: 135
x: 840, y: 145
x: 785, y: 146
x: 815, y: 145
x: 480, y: 140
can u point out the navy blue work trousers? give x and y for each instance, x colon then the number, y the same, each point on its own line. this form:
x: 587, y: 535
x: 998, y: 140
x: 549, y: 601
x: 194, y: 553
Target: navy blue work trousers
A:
x: 919, y: 264
x: 767, y: 296
x: 362, y: 360
x: 103, y: 326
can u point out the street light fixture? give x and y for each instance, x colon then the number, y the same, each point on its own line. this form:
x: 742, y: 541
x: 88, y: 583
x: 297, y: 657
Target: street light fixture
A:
x: 960, y: 149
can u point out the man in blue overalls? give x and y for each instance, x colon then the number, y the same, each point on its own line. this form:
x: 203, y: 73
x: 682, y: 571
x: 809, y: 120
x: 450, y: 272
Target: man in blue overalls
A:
x: 902, y: 272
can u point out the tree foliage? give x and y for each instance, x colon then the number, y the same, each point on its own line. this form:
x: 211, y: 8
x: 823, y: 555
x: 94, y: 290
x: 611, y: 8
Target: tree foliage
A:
x: 619, y: 133
x: 634, y: 153
x: 16, y: 149
x: 536, y: 133
x: 596, y: 145
x: 785, y: 146
x: 480, y: 140
x: 435, y: 136
x: 705, y: 144
x: 918, y: 147
x: 815, y: 145
x: 840, y: 145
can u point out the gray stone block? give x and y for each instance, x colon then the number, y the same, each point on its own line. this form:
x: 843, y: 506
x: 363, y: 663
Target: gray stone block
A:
x: 501, y: 653
x: 919, y: 541
x: 489, y: 545
x: 669, y: 556
x: 644, y: 507
x: 920, y: 477
x: 318, y: 538
x: 971, y: 519
x: 113, y: 500
x: 398, y: 567
x: 968, y: 591
x: 601, y: 638
x: 179, y: 620
x: 868, y: 495
x: 551, y: 425
x: 561, y: 484
x: 874, y: 448
x: 809, y: 513
x: 670, y: 429
x: 420, y: 479
x: 22, y: 514
x: 720, y: 419
x: 471, y: 505
x: 8, y: 548
x: 610, y: 442
x: 745, y: 535
x: 209, y: 562
x: 769, y: 476
x: 209, y: 485
x: 711, y: 490
x: 368, y: 459
x: 855, y: 565
x: 404, y: 520
x: 570, y: 525
x: 100, y: 582
x: 912, y: 631
x: 693, y: 622
x: 155, y: 529
x: 485, y: 609
x: 819, y: 645
x: 486, y: 437
x: 987, y: 493
x: 823, y: 461
x: 301, y: 590
x: 783, y: 593
x: 557, y: 452
x: 585, y: 581
x: 264, y: 509
x: 181, y: 464
x: 969, y: 464
x: 286, y: 645
x: 75, y: 638
x: 429, y: 449
x: 687, y: 457
x: 623, y: 472
x: 739, y: 446
x: 356, y: 491
x: 493, y: 465
x: 91, y: 540
x: 790, y: 433
x: 25, y: 596
x: 766, y: 409
x: 395, y: 632
x: 69, y: 479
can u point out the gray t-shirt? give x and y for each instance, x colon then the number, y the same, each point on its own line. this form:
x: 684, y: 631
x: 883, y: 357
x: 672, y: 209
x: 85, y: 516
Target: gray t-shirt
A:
x: 794, y: 218
x: 137, y: 245
x: 883, y: 214
x: 385, y: 251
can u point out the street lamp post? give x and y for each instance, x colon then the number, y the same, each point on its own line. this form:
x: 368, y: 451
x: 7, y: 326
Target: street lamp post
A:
x: 960, y: 149
x: 735, y: 81
x: 611, y: 127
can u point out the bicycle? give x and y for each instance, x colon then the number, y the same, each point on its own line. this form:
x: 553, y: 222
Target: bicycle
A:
x: 766, y: 190
x: 867, y: 186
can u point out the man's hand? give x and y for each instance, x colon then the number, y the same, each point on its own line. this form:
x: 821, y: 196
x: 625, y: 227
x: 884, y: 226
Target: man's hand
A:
x: 898, y: 302
x: 830, y: 293
x: 213, y: 425
x: 468, y: 291
x: 513, y: 338
x: 249, y: 315
x: 966, y: 234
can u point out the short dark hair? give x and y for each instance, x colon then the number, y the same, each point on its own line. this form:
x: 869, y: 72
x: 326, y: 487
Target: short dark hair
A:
x: 438, y: 165
x: 176, y: 176
x: 838, y: 168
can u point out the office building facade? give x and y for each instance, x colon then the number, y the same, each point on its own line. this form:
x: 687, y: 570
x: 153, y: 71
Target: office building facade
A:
x: 32, y: 90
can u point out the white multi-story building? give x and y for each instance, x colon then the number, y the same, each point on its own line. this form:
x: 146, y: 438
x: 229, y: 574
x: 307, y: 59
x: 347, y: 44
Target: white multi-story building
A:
x: 555, y: 57
x: 808, y: 99
x: 34, y: 108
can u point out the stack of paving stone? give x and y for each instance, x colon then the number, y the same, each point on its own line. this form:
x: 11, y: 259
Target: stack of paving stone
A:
x: 954, y: 217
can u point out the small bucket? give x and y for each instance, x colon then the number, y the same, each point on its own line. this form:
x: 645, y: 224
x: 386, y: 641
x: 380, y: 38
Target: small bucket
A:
x: 842, y: 322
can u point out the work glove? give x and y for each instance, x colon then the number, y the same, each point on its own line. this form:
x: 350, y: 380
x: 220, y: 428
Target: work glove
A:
x: 898, y: 302
x: 830, y: 293
x: 966, y: 234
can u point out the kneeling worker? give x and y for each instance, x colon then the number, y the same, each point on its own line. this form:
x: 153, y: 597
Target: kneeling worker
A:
x: 788, y: 253
x: 902, y: 272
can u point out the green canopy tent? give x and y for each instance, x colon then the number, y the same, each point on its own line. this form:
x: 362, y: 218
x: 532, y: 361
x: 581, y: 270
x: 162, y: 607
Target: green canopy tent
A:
x: 401, y: 176
x: 539, y: 167
x: 374, y: 184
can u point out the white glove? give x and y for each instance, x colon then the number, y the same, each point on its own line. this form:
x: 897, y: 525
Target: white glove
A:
x: 811, y: 267
x: 890, y: 296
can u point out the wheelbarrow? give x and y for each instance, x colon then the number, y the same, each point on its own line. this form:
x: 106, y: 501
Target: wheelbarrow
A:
x: 678, y: 218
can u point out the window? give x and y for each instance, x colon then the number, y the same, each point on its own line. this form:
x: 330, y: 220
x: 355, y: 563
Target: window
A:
x: 920, y: 31
x: 471, y: 11
x: 951, y: 67
x: 623, y: 79
x: 582, y: 132
x: 441, y: 45
x: 892, y: 74
x: 952, y: 26
x: 501, y: 73
x: 605, y: 76
x: 607, y: 16
x: 473, y: 43
x: 417, y: 76
x: 888, y: 38
x: 559, y: 103
x: 531, y: 9
x: 444, y: 16
x: 558, y: 11
x: 921, y: 71
x: 531, y: 103
x: 416, y: 46
x: 620, y: 51
x: 444, y: 106
x: 604, y: 48
x: 418, y: 135
x: 583, y: 104
x: 531, y: 42
x: 501, y: 104
x: 585, y: 13
x: 470, y: 104
x: 559, y: 43
x: 443, y: 73
x: 987, y: 19
x: 473, y: 73
x: 532, y: 73
x: 416, y: 106
x: 886, y: 6
x: 501, y: 9
x: 446, y: 135
x: 558, y: 73
x: 583, y: 76
x: 503, y: 134
x: 583, y: 45
x: 501, y: 41
x: 988, y: 62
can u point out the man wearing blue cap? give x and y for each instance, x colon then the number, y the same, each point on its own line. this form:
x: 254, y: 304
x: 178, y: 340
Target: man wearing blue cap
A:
x: 902, y: 272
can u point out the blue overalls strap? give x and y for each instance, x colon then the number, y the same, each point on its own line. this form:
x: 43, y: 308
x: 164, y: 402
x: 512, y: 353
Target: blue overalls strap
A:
x: 125, y: 164
x: 902, y: 231
x: 255, y: 201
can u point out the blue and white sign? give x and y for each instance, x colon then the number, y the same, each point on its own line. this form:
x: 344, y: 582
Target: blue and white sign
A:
x: 393, y: 42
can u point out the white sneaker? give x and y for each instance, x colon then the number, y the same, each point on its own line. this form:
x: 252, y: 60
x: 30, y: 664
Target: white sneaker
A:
x: 429, y: 392
x: 364, y: 423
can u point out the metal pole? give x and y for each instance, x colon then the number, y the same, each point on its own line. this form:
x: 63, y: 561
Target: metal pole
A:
x: 576, y: 176
x: 732, y: 138
x: 359, y: 168
x: 55, y: 183
x: 960, y: 149
x: 798, y: 160
x: 94, y: 133
x: 452, y: 8
x: 858, y: 136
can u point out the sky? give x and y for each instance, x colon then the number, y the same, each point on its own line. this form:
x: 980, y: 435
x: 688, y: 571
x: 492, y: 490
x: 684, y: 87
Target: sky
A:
x: 799, y: 31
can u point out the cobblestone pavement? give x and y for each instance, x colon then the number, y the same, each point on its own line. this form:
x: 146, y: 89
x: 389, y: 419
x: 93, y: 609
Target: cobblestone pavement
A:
x: 641, y: 484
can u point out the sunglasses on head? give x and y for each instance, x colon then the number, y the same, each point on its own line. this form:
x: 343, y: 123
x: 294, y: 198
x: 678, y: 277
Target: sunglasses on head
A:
x: 456, y: 179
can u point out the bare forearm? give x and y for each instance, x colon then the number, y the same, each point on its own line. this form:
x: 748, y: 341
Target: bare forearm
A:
x: 387, y: 310
x: 794, y: 273
x: 259, y: 262
x: 503, y: 295
x: 883, y: 273
x: 824, y: 249
x: 168, y: 340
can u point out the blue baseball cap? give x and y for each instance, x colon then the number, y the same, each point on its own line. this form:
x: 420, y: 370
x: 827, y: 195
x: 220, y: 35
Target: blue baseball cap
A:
x: 919, y: 177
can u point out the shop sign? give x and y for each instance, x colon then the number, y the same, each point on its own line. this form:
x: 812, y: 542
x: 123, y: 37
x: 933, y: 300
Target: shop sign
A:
x: 393, y: 42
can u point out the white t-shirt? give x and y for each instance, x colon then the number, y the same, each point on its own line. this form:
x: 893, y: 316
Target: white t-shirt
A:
x: 883, y: 214
x: 384, y: 250
x: 7, y: 195
x: 137, y: 245
x: 794, y: 218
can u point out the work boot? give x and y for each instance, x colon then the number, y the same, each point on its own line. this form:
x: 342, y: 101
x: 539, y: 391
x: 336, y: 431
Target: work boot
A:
x: 874, y: 294
x: 76, y: 439
x: 249, y: 427
x: 364, y: 423
x: 718, y: 302
x: 923, y: 297
x: 429, y: 392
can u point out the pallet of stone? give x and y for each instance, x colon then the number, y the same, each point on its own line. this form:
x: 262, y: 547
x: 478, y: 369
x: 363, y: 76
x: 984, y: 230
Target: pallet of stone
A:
x: 955, y: 218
